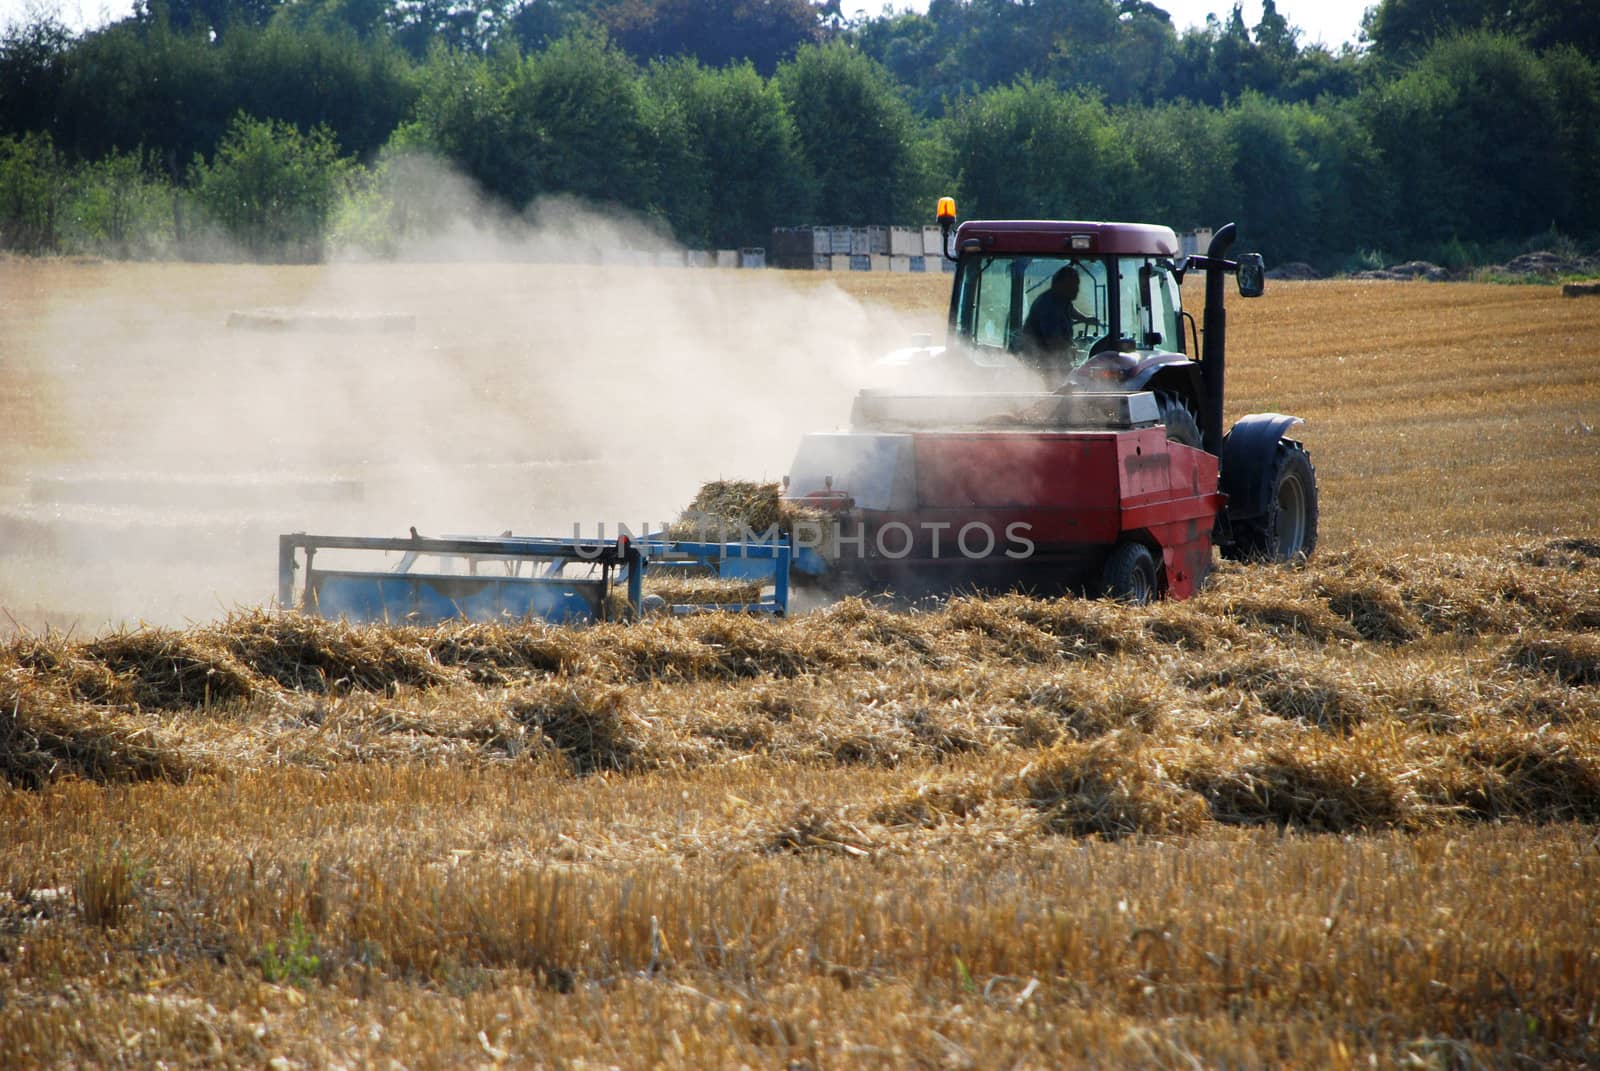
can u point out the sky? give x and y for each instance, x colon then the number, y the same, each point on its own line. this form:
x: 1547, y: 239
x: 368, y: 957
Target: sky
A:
x: 1331, y: 22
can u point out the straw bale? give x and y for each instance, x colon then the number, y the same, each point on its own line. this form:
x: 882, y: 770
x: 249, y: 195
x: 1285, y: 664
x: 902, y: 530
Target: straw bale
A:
x: 660, y: 649
x: 874, y: 635
x: 168, y: 670
x: 1422, y: 696
x: 748, y: 647
x: 725, y: 509
x: 807, y: 830
x: 590, y: 723
x: 1539, y: 700
x: 305, y: 653
x: 45, y: 736
x: 1089, y: 702
x: 495, y: 653
x: 1476, y: 596
x: 1005, y: 635
x: 435, y: 730
x: 1083, y: 628
x: 1187, y: 625
x: 1288, y: 614
x: 1112, y: 787
x: 1106, y: 788
x: 1297, y: 686
x: 56, y: 662
x: 1375, y: 610
x: 1309, y: 784
x: 932, y: 802
x: 1527, y: 775
x: 1573, y: 657
x: 1571, y: 553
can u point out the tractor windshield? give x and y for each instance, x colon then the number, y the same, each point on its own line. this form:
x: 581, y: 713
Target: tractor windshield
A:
x: 995, y: 295
x: 1022, y: 304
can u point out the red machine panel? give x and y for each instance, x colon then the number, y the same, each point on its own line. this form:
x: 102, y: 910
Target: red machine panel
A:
x: 1017, y: 470
x: 1023, y: 500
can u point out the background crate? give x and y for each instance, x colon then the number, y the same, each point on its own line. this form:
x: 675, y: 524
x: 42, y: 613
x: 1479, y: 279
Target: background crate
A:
x: 905, y: 242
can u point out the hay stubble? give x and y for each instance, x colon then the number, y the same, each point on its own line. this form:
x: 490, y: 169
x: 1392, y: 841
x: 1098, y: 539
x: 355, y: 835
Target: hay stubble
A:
x: 1314, y: 817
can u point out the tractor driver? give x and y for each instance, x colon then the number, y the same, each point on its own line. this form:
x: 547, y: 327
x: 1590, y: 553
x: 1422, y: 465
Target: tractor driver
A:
x: 1047, y: 332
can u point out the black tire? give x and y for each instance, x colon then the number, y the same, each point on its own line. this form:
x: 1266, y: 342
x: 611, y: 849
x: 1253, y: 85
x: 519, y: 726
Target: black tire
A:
x: 1182, y: 426
x: 1288, y: 530
x: 1129, y: 575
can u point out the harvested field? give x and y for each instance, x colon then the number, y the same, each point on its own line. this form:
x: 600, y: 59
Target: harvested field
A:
x: 1334, y: 816
x: 1078, y: 831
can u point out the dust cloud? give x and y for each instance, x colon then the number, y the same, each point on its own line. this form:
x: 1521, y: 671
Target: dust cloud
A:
x: 526, y: 373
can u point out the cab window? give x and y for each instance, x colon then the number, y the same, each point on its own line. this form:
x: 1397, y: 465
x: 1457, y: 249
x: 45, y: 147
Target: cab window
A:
x: 1148, y: 303
x: 996, y: 293
x: 1091, y: 301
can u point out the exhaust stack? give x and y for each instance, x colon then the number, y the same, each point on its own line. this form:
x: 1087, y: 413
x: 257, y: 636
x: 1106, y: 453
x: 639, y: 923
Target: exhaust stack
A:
x: 1214, y: 347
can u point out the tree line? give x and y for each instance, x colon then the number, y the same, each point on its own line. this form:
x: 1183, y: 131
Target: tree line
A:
x: 277, y: 128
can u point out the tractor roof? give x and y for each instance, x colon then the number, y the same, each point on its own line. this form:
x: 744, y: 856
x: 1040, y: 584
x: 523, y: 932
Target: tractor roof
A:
x: 1067, y: 236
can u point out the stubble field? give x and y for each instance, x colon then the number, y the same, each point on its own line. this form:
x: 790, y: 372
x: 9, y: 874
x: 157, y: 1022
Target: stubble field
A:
x: 1332, y: 816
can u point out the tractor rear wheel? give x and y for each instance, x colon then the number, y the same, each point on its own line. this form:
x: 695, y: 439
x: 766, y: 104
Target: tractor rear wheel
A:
x: 1182, y: 427
x: 1129, y: 574
x: 1288, y: 530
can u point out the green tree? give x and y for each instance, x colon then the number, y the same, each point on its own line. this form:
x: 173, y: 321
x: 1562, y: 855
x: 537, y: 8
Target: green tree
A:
x: 1401, y: 31
x: 131, y: 86
x: 857, y: 135
x: 1183, y: 165
x: 359, y: 89
x: 1032, y: 151
x: 32, y: 182
x: 1465, y: 138
x: 715, y: 32
x: 1306, y: 179
x: 460, y: 115
x: 534, y: 24
x: 33, y: 70
x: 272, y: 188
x: 577, y: 114
x: 741, y: 133
x: 1575, y: 88
x: 462, y: 25
x: 367, y: 19
x: 575, y: 119
x: 212, y: 19
x: 119, y: 206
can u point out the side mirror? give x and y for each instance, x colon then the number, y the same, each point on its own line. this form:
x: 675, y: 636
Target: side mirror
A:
x: 1252, y: 275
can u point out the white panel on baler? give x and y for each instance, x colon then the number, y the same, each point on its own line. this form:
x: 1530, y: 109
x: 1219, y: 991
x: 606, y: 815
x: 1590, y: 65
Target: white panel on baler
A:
x: 877, y: 470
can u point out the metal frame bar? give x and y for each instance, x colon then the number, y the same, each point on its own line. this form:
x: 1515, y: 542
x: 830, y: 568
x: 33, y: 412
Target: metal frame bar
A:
x: 635, y: 557
x: 607, y: 555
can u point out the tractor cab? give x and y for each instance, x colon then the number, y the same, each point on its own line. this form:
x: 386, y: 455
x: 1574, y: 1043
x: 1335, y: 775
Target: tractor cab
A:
x: 1127, y: 324
x: 1126, y: 313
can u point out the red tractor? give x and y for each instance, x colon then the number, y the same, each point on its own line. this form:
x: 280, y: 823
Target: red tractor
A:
x: 1114, y: 475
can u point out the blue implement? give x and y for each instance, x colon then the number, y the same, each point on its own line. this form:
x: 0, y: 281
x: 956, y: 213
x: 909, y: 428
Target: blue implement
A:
x: 568, y: 581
